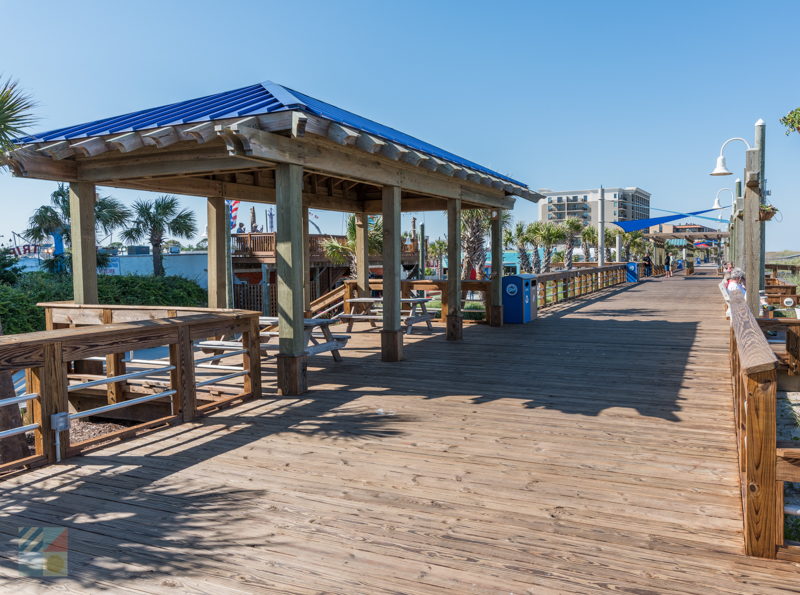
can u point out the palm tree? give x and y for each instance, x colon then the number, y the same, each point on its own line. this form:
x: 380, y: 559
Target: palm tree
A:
x: 517, y: 237
x: 53, y: 219
x: 549, y: 235
x: 588, y: 241
x: 15, y: 113
x: 154, y: 219
x: 474, y: 227
x: 109, y: 214
x: 437, y: 250
x: 628, y: 239
x: 15, y: 116
x: 532, y: 234
x: 610, y: 237
x: 345, y: 253
x: 572, y: 227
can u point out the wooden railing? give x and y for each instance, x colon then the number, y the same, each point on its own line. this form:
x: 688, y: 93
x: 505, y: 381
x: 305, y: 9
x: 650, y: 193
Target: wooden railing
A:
x: 553, y: 287
x: 49, y: 358
x: 563, y: 285
x: 764, y: 465
x: 775, y: 268
x: 264, y: 244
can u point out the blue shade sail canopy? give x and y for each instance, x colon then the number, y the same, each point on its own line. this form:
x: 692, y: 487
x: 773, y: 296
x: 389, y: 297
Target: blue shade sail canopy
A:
x: 253, y: 100
x: 637, y: 224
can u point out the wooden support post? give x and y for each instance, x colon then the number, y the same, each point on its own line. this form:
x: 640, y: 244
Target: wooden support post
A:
x: 306, y: 265
x: 217, y: 267
x: 391, y: 335
x: 82, y: 199
x: 251, y: 361
x: 495, y: 302
x: 362, y: 254
x: 182, y: 379
x: 454, y: 316
x: 115, y: 366
x: 760, y: 509
x: 50, y: 382
x: 752, y: 236
x: 349, y: 293
x: 292, y: 362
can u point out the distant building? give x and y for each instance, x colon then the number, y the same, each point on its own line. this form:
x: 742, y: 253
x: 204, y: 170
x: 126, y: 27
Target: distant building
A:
x: 685, y: 228
x: 621, y: 204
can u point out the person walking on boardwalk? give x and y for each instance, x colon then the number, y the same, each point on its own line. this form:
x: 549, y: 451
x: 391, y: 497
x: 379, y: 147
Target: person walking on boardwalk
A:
x: 648, y: 265
x: 668, y: 265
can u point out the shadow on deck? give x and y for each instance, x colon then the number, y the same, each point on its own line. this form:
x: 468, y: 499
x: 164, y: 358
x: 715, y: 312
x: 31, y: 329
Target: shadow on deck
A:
x: 590, y: 450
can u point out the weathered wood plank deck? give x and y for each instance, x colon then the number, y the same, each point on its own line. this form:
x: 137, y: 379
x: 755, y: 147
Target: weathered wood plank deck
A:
x: 592, y: 450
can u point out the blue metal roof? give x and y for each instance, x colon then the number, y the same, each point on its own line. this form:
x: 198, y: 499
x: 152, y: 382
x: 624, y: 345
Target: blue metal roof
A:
x: 252, y: 100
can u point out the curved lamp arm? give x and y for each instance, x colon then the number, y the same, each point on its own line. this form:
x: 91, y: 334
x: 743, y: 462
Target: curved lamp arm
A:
x: 730, y: 140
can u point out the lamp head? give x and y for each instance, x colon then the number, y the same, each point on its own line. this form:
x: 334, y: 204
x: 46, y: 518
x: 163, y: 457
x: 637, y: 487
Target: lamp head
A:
x: 721, y: 169
x: 716, y: 204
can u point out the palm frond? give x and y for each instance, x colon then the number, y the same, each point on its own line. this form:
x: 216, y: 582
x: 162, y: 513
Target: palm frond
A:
x: 16, y: 116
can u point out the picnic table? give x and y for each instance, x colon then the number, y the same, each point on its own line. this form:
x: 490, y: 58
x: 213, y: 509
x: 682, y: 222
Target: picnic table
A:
x: 317, y: 341
x: 366, y: 312
x: 331, y: 342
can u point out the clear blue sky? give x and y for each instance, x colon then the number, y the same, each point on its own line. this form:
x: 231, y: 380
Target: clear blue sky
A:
x: 561, y: 95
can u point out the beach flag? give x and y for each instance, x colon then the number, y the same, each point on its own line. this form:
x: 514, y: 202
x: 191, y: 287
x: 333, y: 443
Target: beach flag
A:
x: 233, y: 205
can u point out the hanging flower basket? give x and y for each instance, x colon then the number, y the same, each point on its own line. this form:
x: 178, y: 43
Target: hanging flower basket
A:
x: 766, y: 212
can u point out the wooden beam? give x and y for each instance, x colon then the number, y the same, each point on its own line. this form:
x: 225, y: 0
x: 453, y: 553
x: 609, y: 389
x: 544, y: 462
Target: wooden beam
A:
x: 351, y: 163
x: 342, y: 134
x: 58, y: 150
x: 362, y: 254
x: 454, y: 316
x: 391, y: 335
x: 82, y: 199
x: 289, y: 179
x: 125, y: 143
x: 306, y: 264
x: 217, y: 265
x: 393, y: 151
x: 89, y: 147
x: 194, y: 161
x: 496, y: 293
x: 25, y: 163
x: 370, y: 144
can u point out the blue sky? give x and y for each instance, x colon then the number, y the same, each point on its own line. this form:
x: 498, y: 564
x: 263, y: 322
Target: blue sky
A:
x: 562, y: 95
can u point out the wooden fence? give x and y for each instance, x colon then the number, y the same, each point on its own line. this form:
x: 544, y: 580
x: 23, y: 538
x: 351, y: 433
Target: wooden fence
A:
x: 553, y: 288
x: 764, y: 465
x: 107, y: 333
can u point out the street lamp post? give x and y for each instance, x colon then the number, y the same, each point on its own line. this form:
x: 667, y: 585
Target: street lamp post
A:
x: 601, y: 229
x: 753, y: 248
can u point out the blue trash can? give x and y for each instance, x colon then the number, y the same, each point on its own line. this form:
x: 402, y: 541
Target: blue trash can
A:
x: 519, y: 299
x: 632, y: 272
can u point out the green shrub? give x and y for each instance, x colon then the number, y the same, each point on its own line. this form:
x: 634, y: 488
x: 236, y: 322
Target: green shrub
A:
x: 18, y: 312
x: 21, y: 315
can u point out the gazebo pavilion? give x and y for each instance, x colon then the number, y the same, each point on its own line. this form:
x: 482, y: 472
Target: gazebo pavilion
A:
x: 267, y: 143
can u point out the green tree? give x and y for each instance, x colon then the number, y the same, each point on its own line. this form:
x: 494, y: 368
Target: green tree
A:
x: 517, y: 237
x: 16, y: 113
x: 344, y: 253
x: 437, y: 250
x: 610, y: 237
x: 153, y: 220
x: 109, y: 214
x: 475, y: 226
x: 532, y: 233
x: 549, y: 235
x: 572, y: 227
x: 589, y: 241
x: 628, y: 240
x: 10, y: 270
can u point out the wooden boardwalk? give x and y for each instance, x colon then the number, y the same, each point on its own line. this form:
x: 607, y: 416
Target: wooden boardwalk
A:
x: 592, y: 450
